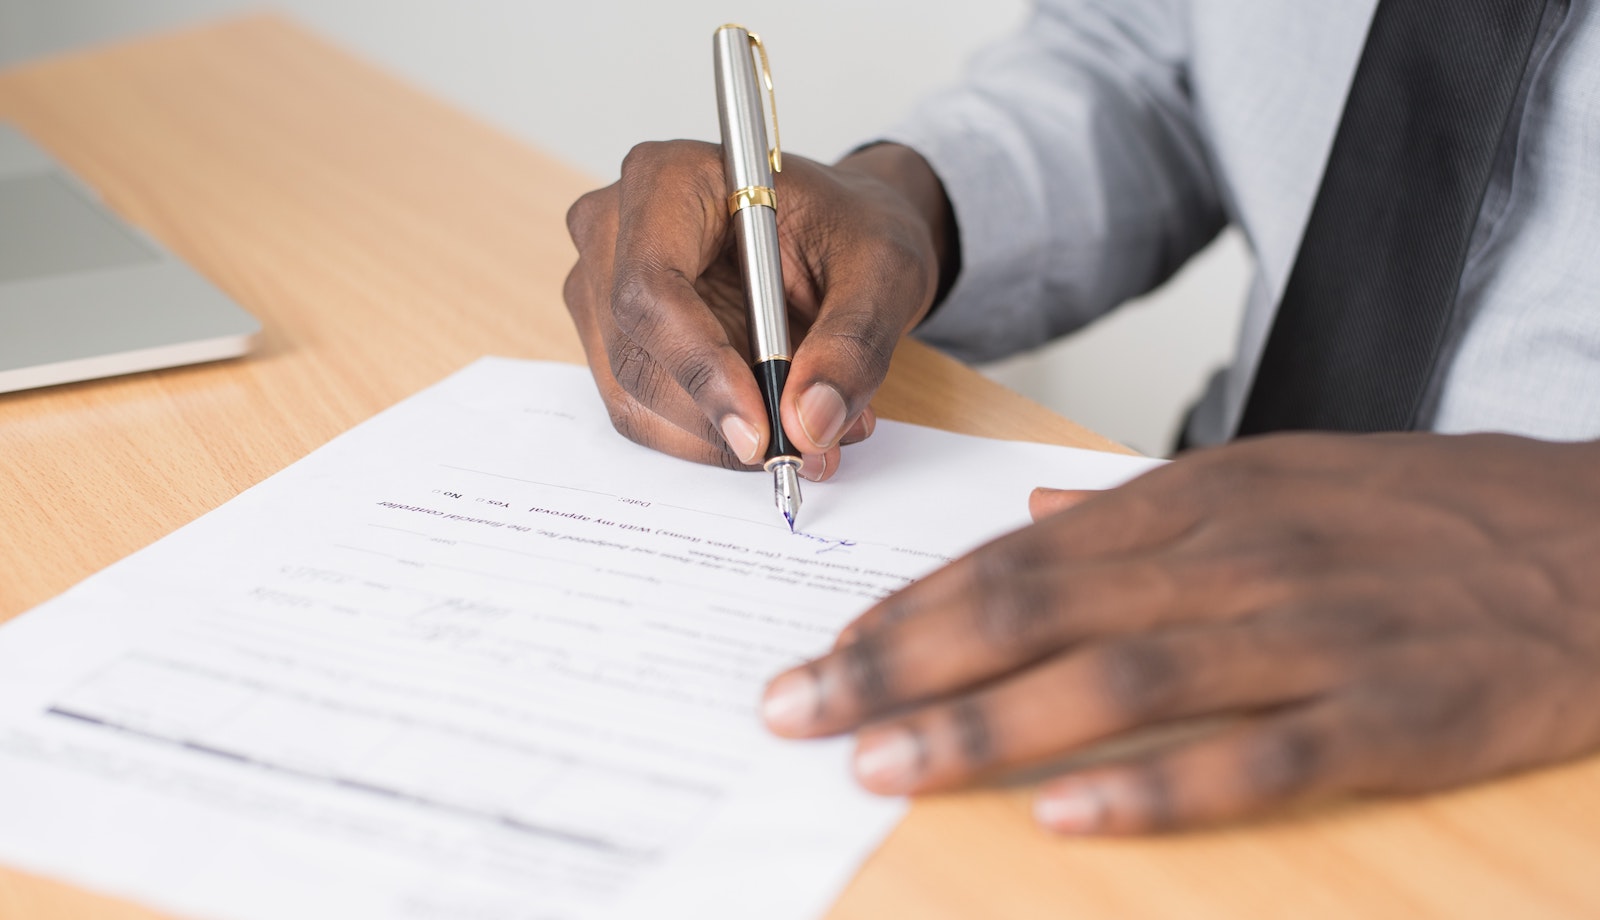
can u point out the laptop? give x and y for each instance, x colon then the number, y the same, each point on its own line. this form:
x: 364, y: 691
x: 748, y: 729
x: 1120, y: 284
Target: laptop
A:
x: 84, y: 294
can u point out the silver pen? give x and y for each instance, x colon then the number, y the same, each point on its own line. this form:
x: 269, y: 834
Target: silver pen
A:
x: 748, y: 163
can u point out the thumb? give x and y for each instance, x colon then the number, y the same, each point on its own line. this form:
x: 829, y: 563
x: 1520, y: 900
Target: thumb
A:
x: 845, y: 356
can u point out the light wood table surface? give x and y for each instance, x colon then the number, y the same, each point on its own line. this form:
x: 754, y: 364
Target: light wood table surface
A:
x: 386, y: 240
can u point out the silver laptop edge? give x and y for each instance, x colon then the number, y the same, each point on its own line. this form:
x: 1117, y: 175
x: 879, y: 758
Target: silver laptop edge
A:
x: 84, y: 294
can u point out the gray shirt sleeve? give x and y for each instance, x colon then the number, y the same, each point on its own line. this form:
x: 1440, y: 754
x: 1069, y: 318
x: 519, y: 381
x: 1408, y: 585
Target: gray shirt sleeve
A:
x: 1075, y: 160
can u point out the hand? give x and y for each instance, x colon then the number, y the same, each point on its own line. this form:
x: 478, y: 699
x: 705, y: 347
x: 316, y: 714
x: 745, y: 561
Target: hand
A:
x: 659, y: 303
x: 1380, y: 614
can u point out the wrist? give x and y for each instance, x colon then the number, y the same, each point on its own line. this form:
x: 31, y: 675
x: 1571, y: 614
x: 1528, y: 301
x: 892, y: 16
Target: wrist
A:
x: 906, y: 172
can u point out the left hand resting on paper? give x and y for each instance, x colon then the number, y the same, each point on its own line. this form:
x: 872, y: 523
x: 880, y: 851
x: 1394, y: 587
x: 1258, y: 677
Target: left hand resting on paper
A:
x: 1383, y: 614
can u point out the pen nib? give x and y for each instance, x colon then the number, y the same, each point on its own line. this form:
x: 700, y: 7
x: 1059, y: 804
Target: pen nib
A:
x: 786, y: 490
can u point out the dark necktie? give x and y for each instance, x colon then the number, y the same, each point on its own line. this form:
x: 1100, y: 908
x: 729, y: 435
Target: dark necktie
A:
x: 1369, y: 300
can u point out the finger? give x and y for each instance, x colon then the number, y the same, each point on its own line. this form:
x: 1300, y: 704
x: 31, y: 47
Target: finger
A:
x: 651, y: 428
x: 659, y: 315
x: 870, y: 298
x: 862, y: 428
x: 1044, y: 501
x: 637, y: 374
x: 993, y: 611
x: 1107, y: 526
x: 673, y: 425
x: 1153, y: 510
x: 1262, y: 764
x: 672, y: 223
x: 972, y: 633
x: 1001, y: 609
x: 1094, y: 693
x: 820, y: 467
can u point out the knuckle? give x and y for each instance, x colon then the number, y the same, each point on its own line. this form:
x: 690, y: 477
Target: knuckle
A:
x: 633, y: 300
x: 635, y: 372
x: 896, y: 608
x: 1142, y: 678
x: 645, y: 156
x: 637, y: 314
x: 865, y: 670
x: 973, y: 734
x: 1224, y: 479
x: 1285, y: 762
x: 1014, y: 605
x: 1449, y: 711
x: 585, y: 214
x: 676, y: 166
x: 696, y: 374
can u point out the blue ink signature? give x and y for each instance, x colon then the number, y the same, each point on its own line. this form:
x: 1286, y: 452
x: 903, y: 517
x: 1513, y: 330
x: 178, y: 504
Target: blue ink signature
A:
x: 829, y: 544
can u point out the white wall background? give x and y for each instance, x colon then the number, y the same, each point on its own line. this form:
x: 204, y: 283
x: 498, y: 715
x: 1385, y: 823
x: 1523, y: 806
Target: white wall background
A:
x: 587, y: 80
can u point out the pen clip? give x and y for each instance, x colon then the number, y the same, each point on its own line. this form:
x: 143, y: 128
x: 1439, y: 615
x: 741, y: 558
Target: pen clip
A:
x: 775, y: 155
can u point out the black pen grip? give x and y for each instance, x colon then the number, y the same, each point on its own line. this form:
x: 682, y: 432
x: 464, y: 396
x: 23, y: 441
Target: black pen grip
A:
x: 771, y: 375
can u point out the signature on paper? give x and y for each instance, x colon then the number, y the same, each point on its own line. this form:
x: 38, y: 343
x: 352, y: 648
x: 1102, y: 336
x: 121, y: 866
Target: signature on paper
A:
x: 825, y: 544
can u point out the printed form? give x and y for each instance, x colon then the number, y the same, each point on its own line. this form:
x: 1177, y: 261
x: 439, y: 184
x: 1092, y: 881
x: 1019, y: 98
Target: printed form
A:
x: 481, y: 658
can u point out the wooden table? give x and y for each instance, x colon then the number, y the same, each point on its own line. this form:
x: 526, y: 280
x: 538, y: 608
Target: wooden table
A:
x: 385, y: 241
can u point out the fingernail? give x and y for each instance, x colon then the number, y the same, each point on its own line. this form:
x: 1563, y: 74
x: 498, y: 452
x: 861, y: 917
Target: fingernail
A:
x: 742, y: 438
x: 887, y: 762
x: 1077, y: 809
x: 821, y: 410
x: 791, y: 703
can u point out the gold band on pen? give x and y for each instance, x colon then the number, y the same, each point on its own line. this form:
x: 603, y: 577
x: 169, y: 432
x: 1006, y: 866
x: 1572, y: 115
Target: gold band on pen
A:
x: 752, y: 195
x: 766, y: 358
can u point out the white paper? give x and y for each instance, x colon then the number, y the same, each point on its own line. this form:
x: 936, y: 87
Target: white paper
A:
x: 480, y: 658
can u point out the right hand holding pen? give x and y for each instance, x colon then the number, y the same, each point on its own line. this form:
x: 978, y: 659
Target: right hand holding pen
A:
x: 659, y: 304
